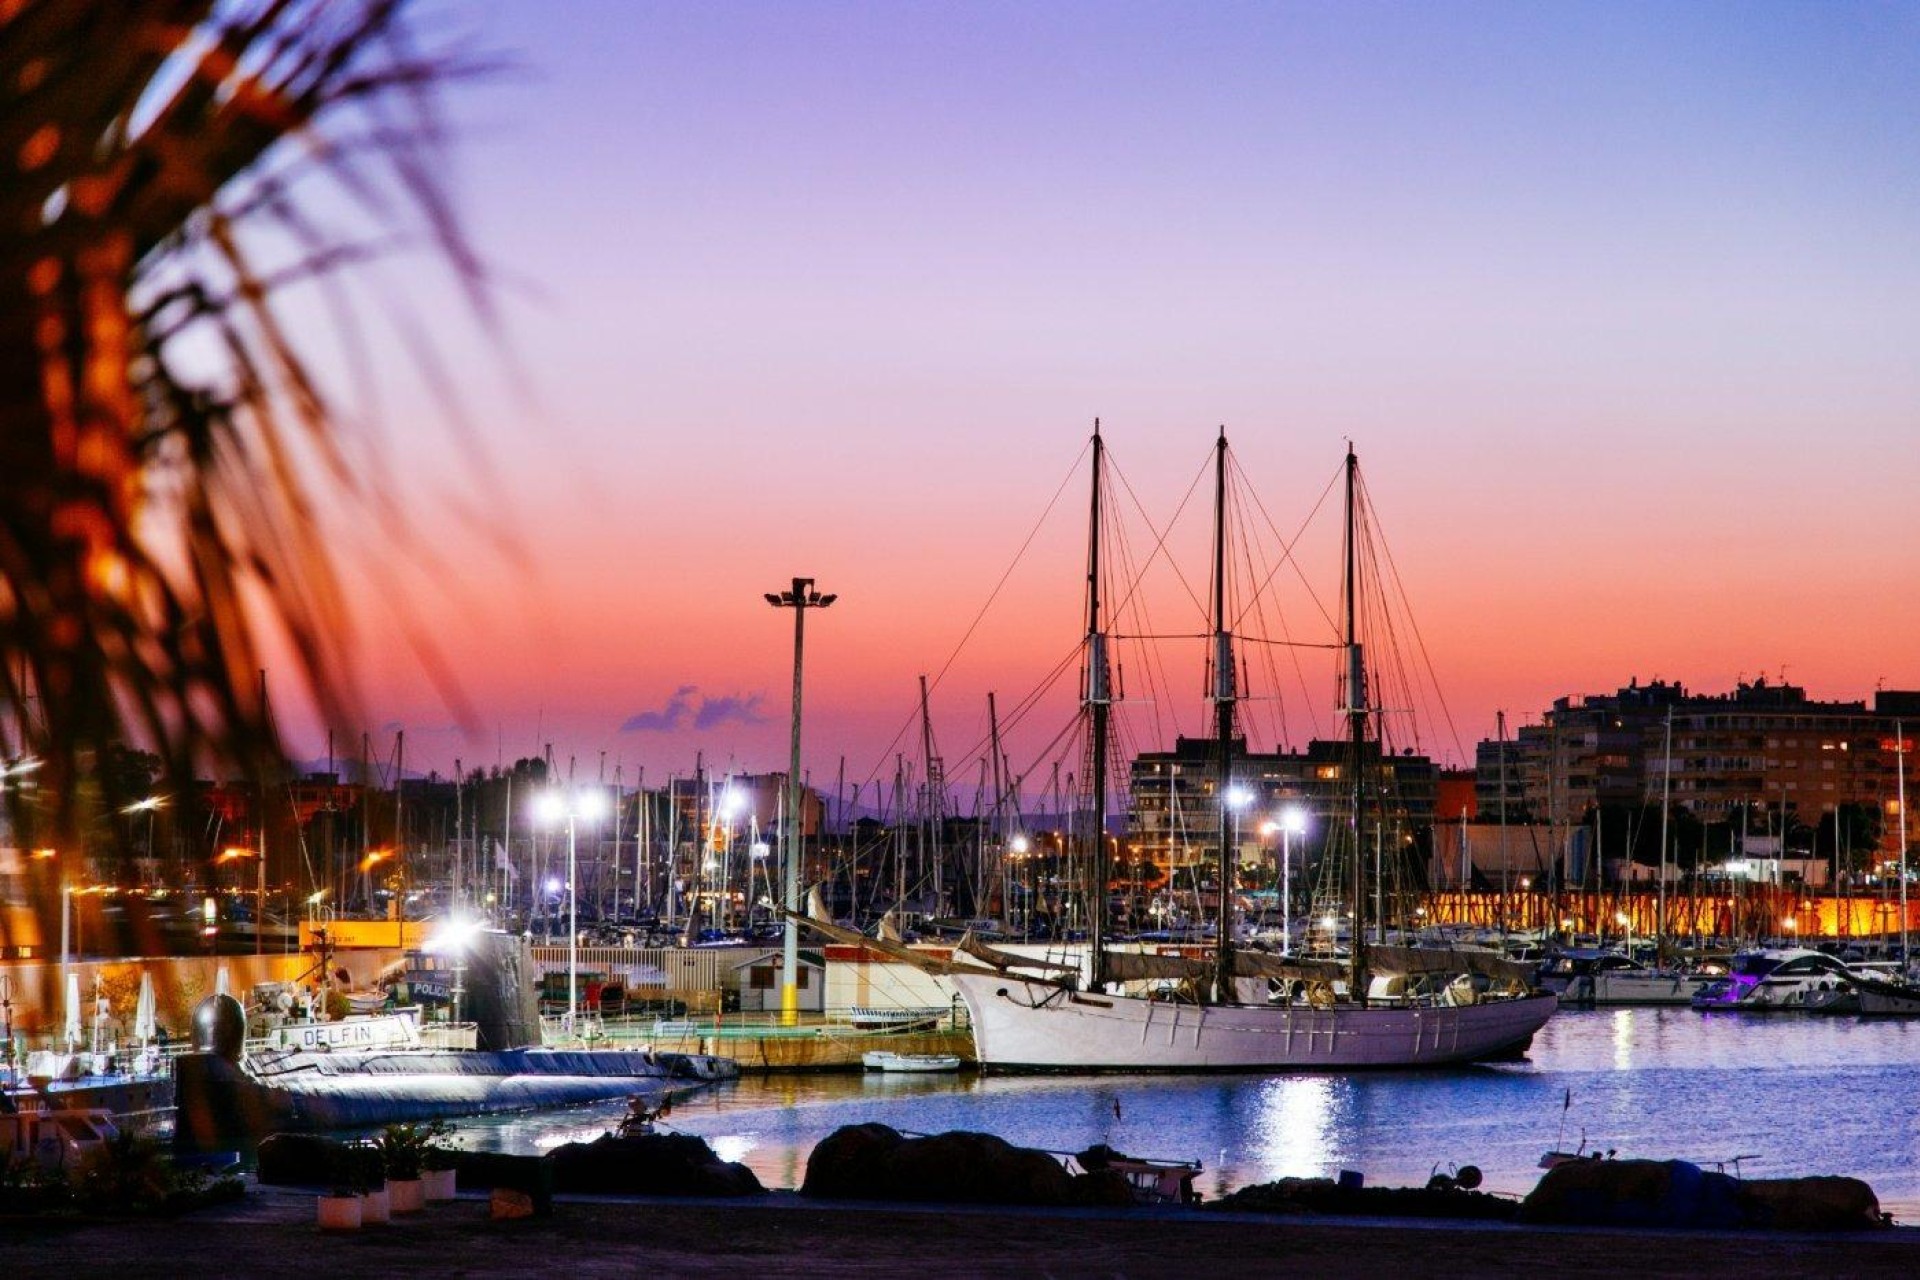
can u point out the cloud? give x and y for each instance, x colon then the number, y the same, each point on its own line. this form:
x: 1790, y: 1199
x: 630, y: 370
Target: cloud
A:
x: 688, y: 706
x: 718, y: 711
x: 667, y: 718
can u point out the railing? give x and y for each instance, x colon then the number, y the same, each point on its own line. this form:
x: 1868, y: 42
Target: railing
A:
x: 604, y: 1029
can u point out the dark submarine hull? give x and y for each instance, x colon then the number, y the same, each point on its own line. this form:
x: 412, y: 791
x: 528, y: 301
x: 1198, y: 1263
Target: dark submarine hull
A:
x: 222, y: 1104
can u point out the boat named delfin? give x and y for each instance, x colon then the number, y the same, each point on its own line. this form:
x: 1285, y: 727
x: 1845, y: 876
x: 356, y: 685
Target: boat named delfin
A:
x: 1307, y: 1019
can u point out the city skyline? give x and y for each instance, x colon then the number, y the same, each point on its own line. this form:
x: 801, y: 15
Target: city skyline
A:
x: 1610, y: 300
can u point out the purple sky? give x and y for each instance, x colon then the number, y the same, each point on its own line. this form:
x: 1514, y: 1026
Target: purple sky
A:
x: 1617, y: 301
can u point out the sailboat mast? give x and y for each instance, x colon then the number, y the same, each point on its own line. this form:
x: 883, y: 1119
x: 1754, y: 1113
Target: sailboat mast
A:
x: 1666, y: 805
x: 1098, y: 701
x: 1356, y: 710
x: 1900, y: 783
x: 1223, y: 694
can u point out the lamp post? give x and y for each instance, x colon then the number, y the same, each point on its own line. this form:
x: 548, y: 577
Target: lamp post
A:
x: 1293, y: 820
x: 147, y: 806
x: 1237, y: 798
x: 800, y: 599
x: 574, y: 806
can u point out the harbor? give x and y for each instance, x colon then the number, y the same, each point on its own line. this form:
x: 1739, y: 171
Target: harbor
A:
x: 1771, y: 1097
x: 661, y: 639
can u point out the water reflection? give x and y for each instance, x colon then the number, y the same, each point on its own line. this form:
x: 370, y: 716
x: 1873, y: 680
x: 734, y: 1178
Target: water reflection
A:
x: 1289, y: 1133
x: 1807, y: 1094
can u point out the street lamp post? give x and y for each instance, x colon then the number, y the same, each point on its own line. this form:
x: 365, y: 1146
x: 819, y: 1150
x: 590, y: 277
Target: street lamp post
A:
x: 573, y: 807
x: 1293, y: 819
x: 800, y: 599
x: 1237, y: 798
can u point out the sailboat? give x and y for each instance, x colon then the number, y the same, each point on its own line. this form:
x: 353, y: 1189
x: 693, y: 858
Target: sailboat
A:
x: 1043, y: 1024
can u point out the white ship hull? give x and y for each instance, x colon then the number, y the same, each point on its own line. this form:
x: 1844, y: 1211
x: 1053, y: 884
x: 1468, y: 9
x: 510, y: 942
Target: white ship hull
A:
x: 1033, y: 1026
x: 1621, y: 987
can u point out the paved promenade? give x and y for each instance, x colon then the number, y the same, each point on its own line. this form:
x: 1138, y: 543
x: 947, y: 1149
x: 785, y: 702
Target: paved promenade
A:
x: 271, y: 1233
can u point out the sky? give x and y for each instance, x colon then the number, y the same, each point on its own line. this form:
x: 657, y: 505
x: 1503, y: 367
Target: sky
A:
x: 1617, y: 302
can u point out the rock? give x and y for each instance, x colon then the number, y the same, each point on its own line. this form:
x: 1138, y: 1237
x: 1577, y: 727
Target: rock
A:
x: 655, y: 1164
x: 1633, y: 1193
x: 847, y: 1164
x: 1810, y: 1204
x: 873, y: 1162
x: 505, y: 1206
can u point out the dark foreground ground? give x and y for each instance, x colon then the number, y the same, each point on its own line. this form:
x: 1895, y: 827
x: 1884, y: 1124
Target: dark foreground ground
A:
x: 271, y: 1233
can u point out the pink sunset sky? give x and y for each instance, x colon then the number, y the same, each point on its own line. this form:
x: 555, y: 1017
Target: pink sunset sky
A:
x: 1618, y: 303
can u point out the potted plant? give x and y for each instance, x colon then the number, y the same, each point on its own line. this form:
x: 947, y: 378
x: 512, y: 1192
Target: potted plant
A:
x: 371, y: 1178
x: 339, y: 1209
x: 438, y: 1160
x: 402, y: 1148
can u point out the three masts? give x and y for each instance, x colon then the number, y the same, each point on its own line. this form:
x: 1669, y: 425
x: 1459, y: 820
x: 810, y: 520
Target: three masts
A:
x: 1040, y: 1023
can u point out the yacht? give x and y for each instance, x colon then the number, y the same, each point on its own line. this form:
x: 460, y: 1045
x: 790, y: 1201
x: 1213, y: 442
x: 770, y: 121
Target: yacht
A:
x: 1593, y: 977
x: 1779, y: 979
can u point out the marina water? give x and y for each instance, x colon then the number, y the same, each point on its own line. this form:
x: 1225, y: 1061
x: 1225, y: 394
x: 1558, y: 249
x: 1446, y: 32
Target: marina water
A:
x: 1787, y: 1095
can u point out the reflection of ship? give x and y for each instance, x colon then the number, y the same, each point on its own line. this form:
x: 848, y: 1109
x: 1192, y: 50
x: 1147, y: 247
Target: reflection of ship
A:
x: 1248, y: 1011
x: 228, y: 1097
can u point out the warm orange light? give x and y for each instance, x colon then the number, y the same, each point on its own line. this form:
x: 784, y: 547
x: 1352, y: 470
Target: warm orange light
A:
x: 233, y: 851
x: 374, y: 857
x: 43, y: 853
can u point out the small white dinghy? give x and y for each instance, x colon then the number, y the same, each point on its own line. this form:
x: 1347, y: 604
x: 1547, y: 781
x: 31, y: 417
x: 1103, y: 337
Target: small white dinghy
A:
x: 881, y: 1060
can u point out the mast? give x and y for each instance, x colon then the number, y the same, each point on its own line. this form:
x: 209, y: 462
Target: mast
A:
x: 399, y: 827
x: 932, y: 832
x: 1666, y: 800
x: 1223, y: 694
x: 1900, y: 782
x: 1500, y: 723
x: 999, y: 815
x: 1356, y: 712
x: 1099, y: 700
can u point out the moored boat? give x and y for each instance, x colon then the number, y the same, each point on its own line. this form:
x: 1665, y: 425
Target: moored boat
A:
x: 881, y: 1060
x: 1590, y: 976
x: 1234, y: 1012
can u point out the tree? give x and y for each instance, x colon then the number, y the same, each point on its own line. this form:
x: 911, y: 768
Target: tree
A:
x: 157, y: 524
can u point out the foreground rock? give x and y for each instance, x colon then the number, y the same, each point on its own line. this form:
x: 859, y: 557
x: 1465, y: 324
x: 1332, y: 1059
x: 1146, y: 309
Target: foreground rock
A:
x: 654, y: 1164
x: 875, y: 1162
x: 1674, y: 1193
x: 1324, y: 1195
x: 659, y: 1164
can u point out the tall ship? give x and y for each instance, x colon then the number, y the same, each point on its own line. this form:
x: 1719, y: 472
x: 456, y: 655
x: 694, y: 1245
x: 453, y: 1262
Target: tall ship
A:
x: 1378, y: 1006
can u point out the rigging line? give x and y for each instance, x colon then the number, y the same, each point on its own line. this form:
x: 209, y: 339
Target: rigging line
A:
x: 1012, y: 718
x: 1158, y: 635
x: 1160, y: 544
x: 907, y: 725
x: 1419, y: 640
x: 1285, y: 644
x: 1155, y: 658
x: 1133, y: 608
x: 1287, y: 544
x: 1265, y: 597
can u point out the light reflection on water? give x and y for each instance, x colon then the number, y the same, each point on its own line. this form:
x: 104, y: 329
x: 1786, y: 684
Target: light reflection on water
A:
x: 1802, y: 1094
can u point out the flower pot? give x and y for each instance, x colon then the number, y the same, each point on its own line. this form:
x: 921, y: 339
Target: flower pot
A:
x: 405, y: 1195
x: 373, y: 1208
x: 339, y: 1213
x: 438, y: 1184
